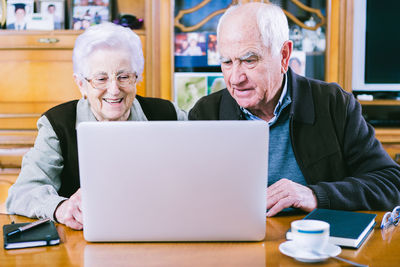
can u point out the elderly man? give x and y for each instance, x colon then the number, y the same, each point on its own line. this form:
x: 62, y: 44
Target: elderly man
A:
x: 322, y: 152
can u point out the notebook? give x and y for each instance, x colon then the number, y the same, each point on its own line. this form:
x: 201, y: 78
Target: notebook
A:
x: 347, y: 228
x: 173, y: 181
x: 42, y: 235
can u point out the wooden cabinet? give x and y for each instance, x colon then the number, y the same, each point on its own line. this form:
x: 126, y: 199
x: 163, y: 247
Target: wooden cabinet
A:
x: 36, y: 70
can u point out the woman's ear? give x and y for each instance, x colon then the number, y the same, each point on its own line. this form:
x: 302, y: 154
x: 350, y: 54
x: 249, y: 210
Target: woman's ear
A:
x: 80, y: 82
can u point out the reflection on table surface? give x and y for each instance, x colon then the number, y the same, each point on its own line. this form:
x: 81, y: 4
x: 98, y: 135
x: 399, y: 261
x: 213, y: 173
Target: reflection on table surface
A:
x: 161, y: 254
x: 380, y: 249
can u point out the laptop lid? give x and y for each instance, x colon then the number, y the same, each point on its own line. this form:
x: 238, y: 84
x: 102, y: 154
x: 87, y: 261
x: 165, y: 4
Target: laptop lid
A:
x: 173, y: 181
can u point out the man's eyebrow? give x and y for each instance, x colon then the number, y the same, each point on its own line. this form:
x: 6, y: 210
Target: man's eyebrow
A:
x: 248, y: 55
x: 242, y: 58
x: 224, y: 59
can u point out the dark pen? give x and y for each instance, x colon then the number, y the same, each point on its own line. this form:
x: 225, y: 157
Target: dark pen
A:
x: 28, y: 226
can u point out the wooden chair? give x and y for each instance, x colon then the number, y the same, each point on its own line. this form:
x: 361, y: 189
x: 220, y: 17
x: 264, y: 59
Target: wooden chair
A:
x: 7, y: 178
x: 13, y: 145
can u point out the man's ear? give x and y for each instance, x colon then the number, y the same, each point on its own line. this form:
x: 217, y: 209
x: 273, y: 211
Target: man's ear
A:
x: 286, y: 52
x: 82, y: 88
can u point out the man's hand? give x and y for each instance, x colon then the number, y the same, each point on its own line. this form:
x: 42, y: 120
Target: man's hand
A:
x: 70, y: 212
x: 285, y: 193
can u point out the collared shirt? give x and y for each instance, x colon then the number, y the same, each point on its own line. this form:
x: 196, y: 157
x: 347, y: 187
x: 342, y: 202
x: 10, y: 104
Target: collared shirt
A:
x: 34, y: 194
x: 281, y: 160
x: 284, y: 101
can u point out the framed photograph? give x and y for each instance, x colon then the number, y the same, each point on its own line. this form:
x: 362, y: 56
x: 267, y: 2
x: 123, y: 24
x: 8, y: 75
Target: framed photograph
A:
x: 297, y: 62
x: 212, y: 52
x: 190, y: 44
x: 191, y: 50
x: 40, y: 22
x: 215, y: 83
x: 191, y: 86
x: 53, y: 10
x: 3, y: 12
x: 19, y: 12
x: 86, y: 13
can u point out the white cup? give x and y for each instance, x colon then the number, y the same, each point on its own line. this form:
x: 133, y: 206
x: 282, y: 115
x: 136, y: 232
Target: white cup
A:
x: 310, y: 234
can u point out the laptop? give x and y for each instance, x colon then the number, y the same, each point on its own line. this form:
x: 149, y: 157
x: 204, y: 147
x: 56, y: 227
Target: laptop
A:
x: 173, y: 181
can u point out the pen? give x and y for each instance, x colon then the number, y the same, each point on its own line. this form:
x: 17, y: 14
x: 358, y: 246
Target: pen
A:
x: 27, y: 227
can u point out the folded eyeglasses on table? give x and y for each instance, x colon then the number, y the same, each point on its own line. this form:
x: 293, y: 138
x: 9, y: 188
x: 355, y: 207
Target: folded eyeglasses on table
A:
x: 391, y: 218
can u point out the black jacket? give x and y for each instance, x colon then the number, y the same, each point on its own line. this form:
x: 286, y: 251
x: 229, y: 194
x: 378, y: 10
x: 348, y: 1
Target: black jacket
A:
x: 336, y: 149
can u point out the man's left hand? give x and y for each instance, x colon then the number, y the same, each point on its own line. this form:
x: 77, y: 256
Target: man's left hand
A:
x: 285, y: 193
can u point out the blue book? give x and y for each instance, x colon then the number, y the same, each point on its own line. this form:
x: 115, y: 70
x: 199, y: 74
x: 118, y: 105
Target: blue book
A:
x: 347, y: 228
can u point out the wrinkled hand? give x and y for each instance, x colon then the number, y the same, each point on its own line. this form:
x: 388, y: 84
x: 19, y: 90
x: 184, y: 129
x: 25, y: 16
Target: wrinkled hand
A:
x: 285, y: 193
x: 70, y: 212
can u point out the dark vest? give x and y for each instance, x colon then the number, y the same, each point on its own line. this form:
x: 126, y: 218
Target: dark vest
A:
x: 63, y: 119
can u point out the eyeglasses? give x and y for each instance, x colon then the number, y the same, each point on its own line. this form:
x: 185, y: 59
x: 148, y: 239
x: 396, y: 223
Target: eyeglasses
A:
x: 101, y: 82
x: 391, y: 218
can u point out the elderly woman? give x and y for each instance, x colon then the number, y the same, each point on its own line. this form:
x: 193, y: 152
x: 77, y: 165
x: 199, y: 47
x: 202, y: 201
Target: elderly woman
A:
x: 108, y: 62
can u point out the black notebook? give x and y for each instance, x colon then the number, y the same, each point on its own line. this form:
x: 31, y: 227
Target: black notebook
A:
x: 43, y: 235
x: 347, y: 228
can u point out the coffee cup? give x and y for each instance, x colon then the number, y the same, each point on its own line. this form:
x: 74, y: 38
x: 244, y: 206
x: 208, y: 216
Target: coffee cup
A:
x: 311, y: 235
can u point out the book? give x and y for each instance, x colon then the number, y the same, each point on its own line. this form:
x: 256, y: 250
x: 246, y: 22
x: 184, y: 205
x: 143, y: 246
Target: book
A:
x: 42, y: 235
x: 347, y: 228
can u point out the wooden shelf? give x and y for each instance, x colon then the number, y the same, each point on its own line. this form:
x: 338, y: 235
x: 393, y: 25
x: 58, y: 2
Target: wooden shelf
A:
x: 381, y: 102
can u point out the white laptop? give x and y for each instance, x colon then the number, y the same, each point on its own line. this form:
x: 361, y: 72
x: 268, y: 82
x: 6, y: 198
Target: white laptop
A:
x: 173, y: 181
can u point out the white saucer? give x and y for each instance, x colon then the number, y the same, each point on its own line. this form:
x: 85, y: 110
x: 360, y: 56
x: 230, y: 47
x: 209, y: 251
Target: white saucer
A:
x: 290, y: 249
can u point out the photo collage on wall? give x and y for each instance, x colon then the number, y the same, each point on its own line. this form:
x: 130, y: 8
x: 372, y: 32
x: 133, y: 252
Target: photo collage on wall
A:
x: 197, y: 67
x: 191, y: 86
x: 196, y: 51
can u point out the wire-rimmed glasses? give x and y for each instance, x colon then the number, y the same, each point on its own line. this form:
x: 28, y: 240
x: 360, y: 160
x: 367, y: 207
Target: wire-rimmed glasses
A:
x: 390, y: 218
x: 101, y: 82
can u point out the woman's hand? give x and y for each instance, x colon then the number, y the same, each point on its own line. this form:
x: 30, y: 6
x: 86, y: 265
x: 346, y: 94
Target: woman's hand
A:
x: 70, y: 212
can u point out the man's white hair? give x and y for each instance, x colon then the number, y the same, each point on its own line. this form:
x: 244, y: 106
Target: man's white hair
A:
x: 272, y: 25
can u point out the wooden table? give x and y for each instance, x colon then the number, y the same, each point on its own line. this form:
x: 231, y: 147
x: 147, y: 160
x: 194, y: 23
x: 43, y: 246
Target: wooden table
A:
x: 381, y: 249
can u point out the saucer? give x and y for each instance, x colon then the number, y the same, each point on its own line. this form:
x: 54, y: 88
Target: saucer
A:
x: 290, y: 249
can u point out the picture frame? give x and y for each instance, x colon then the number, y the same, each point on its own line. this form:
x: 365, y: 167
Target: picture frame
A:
x: 86, y: 13
x: 19, y: 12
x: 40, y: 22
x: 297, y: 62
x: 189, y: 87
x: 190, y: 44
x: 3, y: 12
x: 213, y: 57
x: 55, y: 11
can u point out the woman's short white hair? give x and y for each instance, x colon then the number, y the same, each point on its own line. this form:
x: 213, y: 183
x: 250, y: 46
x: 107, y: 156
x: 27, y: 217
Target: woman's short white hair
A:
x: 272, y: 24
x: 107, y: 36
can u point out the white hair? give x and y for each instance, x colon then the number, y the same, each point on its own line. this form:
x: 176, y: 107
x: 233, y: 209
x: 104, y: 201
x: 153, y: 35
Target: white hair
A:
x: 272, y: 25
x: 107, y: 35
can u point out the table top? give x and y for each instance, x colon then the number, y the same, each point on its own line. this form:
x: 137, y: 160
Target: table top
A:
x: 380, y: 249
